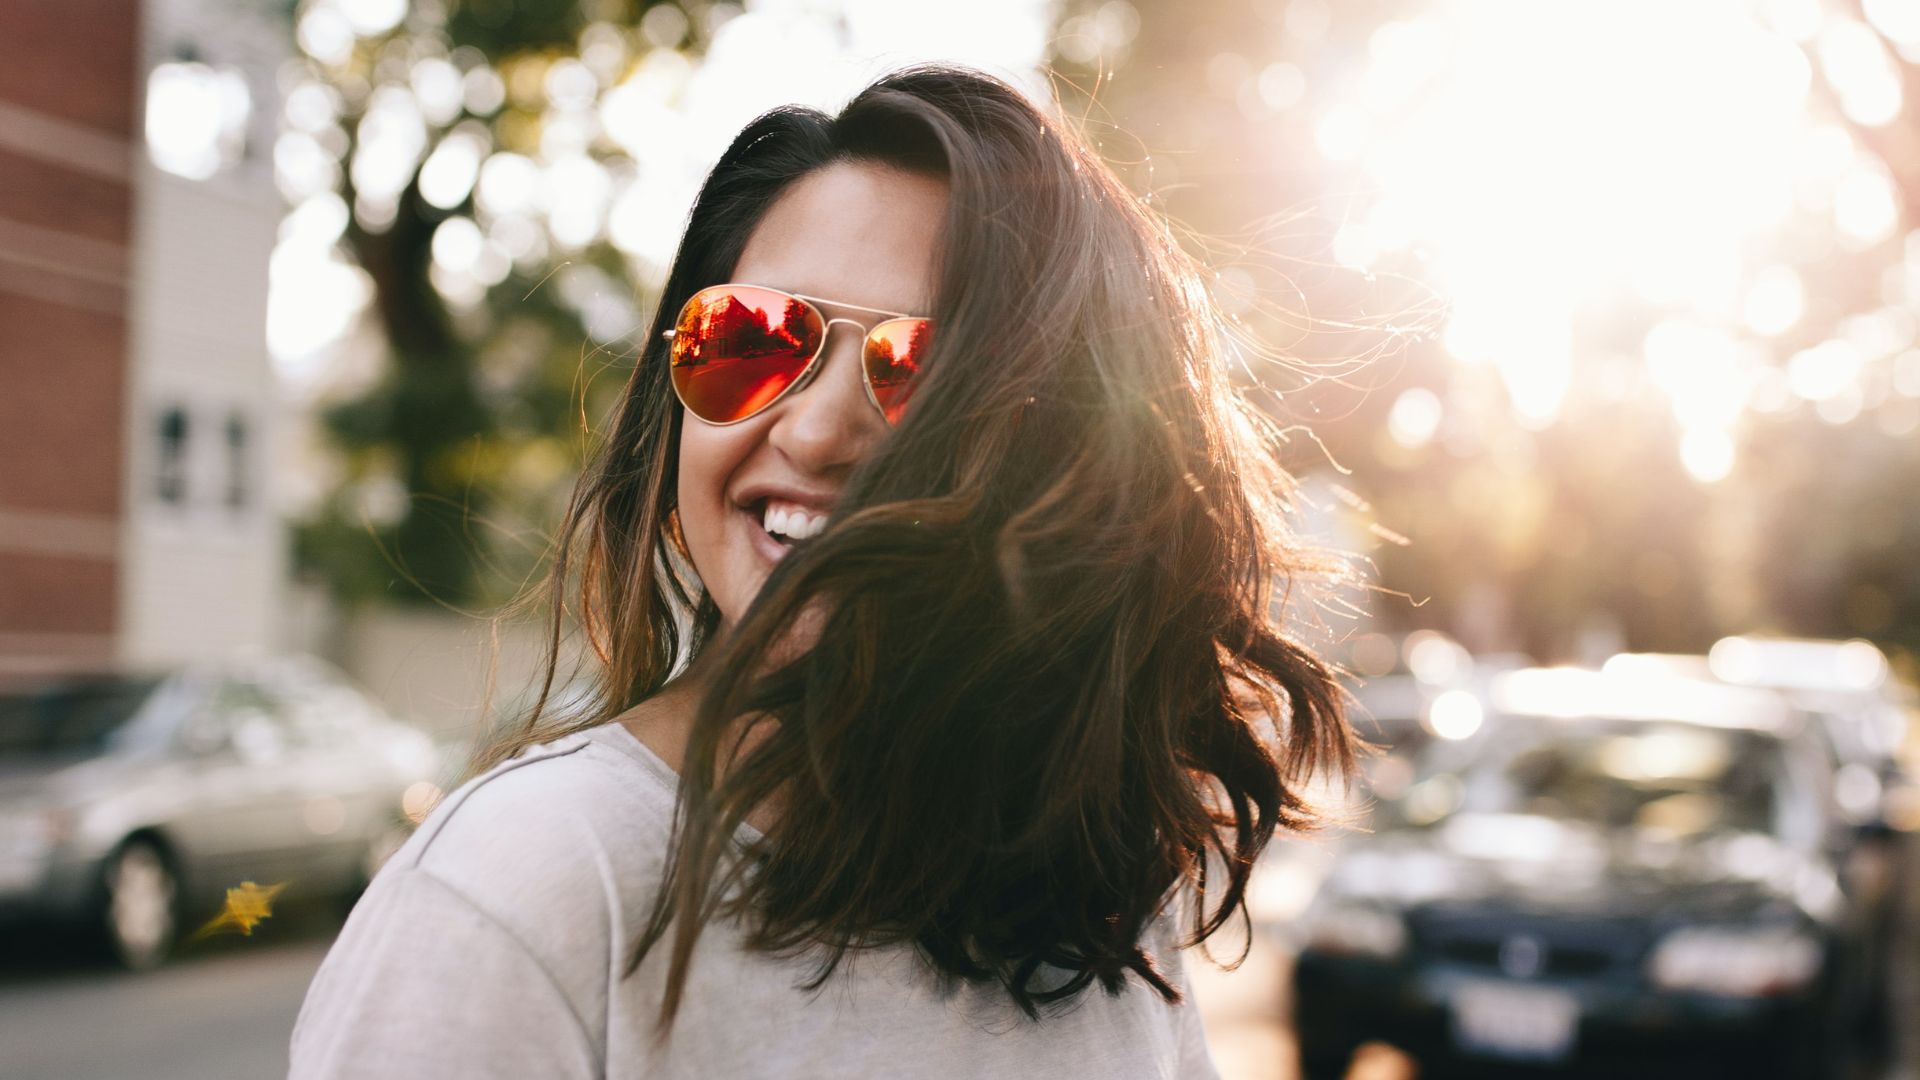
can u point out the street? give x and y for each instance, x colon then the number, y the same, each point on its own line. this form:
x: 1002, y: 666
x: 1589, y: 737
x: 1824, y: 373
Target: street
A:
x: 1242, y: 1010
x: 225, y: 1010
x: 224, y: 1014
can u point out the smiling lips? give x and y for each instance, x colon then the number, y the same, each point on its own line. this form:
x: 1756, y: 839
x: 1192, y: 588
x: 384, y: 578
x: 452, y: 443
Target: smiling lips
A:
x: 791, y: 522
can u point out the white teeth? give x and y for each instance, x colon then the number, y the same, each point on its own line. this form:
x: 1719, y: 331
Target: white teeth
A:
x: 794, y: 524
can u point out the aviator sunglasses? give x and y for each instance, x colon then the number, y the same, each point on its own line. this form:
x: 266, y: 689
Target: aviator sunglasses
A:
x: 737, y: 349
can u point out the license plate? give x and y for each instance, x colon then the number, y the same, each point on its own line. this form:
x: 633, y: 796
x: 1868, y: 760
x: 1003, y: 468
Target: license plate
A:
x: 1515, y: 1021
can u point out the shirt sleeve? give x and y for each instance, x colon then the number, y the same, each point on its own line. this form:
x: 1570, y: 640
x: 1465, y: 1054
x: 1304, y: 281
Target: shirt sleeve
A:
x: 424, y: 984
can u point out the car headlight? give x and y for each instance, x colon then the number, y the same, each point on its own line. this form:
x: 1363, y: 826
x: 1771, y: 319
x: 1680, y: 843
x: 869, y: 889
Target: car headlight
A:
x: 1733, y: 961
x: 1357, y: 930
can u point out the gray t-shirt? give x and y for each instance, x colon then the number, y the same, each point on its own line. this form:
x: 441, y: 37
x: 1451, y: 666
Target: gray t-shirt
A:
x: 492, y: 944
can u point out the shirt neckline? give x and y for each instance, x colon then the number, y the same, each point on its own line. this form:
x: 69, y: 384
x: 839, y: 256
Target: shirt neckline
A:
x: 629, y: 743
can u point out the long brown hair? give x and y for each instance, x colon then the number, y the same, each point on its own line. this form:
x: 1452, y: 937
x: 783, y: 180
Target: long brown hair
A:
x: 1044, y: 683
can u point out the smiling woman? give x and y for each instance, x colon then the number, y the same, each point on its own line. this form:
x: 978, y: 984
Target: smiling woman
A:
x: 863, y: 231
x: 928, y: 564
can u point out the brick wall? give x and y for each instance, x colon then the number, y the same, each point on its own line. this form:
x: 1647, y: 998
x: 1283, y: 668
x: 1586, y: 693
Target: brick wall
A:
x: 68, y: 126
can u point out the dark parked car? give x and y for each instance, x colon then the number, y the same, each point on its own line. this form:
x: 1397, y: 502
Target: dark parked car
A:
x: 1859, y: 715
x: 133, y: 801
x: 1609, y: 875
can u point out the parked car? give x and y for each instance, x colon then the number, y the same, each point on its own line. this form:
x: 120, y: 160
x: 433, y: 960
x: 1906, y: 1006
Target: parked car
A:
x: 132, y: 801
x: 1610, y: 874
x: 1858, y: 714
x: 1848, y: 686
x: 1845, y: 686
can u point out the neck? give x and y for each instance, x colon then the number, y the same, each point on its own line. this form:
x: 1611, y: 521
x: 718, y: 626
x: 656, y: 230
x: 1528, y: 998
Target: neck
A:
x: 664, y: 720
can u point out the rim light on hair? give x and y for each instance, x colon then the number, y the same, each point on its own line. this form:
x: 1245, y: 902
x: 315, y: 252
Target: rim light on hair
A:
x: 1045, y: 686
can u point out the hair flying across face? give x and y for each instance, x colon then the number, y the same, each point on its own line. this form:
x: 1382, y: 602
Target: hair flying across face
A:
x: 1041, y: 684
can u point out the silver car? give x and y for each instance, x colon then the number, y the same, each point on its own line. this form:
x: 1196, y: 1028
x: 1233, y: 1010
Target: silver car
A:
x: 135, y: 801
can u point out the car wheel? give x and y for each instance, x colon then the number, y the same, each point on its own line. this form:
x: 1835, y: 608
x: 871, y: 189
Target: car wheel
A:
x: 142, y: 897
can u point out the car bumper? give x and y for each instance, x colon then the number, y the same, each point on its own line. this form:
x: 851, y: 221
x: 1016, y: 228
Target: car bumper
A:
x: 1340, y: 1003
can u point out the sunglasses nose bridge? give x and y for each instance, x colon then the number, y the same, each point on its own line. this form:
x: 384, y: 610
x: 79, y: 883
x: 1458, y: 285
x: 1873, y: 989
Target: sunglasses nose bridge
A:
x: 826, y: 343
x: 827, y: 329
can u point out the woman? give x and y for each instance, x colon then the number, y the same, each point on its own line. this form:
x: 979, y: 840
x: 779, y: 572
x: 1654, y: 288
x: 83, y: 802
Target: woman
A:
x: 928, y: 564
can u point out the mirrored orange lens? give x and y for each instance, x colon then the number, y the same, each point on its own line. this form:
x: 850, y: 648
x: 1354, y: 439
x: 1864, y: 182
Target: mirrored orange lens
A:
x: 893, y: 354
x: 737, y: 348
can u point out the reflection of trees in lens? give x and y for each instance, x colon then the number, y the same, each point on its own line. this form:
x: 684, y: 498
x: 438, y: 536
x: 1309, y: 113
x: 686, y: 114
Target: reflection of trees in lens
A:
x: 889, y: 367
x: 738, y: 358
x: 733, y: 329
x: 794, y: 326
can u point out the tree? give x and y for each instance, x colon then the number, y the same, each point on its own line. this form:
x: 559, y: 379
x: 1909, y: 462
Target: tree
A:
x: 500, y: 321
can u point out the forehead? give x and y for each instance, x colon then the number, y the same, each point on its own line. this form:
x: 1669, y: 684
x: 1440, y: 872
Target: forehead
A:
x: 856, y: 232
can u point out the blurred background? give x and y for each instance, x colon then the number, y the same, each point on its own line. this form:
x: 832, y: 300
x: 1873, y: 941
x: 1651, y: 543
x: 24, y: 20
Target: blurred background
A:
x: 1593, y: 326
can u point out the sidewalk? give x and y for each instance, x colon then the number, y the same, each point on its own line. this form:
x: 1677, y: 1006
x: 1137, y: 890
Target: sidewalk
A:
x: 1245, y: 1011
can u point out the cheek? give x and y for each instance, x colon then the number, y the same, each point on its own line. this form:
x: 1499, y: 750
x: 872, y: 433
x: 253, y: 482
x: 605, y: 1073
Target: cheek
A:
x: 710, y: 460
x: 698, y: 492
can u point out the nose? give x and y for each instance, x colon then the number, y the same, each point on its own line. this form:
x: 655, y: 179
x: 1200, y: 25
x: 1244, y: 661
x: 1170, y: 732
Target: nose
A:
x: 827, y: 425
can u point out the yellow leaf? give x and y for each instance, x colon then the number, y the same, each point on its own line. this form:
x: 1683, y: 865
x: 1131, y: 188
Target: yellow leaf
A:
x: 247, y: 904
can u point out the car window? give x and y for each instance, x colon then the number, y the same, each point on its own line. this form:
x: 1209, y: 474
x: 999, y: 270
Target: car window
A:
x: 1682, y: 779
x: 254, y: 721
x: 78, y: 717
x: 324, y: 714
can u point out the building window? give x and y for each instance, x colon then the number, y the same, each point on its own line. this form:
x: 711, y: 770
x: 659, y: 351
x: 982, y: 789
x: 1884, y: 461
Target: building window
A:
x: 237, y: 434
x: 170, y: 474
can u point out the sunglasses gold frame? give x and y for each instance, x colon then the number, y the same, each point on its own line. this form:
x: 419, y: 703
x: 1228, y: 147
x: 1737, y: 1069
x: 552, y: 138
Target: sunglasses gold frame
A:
x: 807, y: 370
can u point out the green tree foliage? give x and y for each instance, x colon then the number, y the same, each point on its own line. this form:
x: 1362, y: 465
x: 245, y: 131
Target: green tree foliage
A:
x: 458, y: 457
